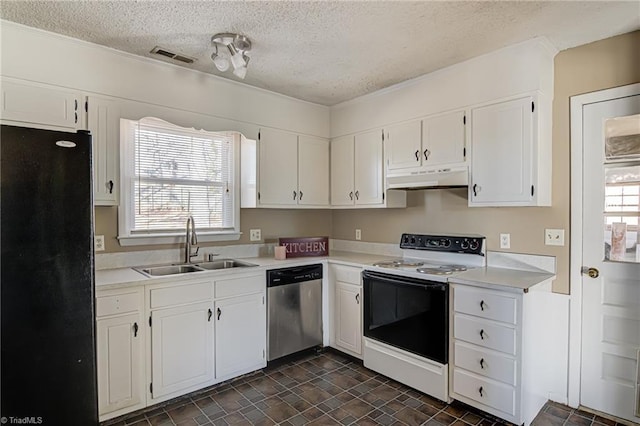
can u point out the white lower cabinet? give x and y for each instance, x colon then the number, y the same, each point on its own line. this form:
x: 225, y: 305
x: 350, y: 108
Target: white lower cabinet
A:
x: 120, y: 336
x: 181, y: 348
x: 500, y: 355
x: 240, y: 327
x: 347, y: 309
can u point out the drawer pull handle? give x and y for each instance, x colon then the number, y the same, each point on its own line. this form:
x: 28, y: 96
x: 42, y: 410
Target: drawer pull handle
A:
x: 480, y: 391
x: 482, y: 334
x: 219, y: 313
x: 135, y: 329
x: 209, y: 313
x: 482, y: 363
x: 358, y: 298
x: 482, y: 305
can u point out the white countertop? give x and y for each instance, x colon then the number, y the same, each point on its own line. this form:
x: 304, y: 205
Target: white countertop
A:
x: 502, y: 277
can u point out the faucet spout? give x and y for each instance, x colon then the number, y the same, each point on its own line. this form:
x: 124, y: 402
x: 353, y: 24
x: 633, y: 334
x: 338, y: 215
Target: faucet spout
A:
x: 191, y: 239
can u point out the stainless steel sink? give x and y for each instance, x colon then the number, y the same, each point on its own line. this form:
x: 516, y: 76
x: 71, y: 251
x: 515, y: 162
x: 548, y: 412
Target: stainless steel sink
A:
x: 168, y: 270
x: 224, y: 264
x: 158, y: 271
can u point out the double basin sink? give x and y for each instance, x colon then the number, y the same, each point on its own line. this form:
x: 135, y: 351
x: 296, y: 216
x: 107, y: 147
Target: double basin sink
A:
x: 158, y: 271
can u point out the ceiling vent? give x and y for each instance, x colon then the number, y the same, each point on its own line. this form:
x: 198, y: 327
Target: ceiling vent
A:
x: 171, y: 55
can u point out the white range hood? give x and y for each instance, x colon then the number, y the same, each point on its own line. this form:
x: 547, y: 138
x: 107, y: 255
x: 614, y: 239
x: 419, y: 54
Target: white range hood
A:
x: 443, y: 177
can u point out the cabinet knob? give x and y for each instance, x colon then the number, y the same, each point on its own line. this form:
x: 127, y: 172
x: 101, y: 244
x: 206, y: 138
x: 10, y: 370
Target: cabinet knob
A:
x: 135, y: 329
x: 417, y: 155
x: 482, y: 334
x: 358, y: 298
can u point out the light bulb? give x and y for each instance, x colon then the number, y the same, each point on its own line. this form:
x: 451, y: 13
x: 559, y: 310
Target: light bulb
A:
x: 221, y: 63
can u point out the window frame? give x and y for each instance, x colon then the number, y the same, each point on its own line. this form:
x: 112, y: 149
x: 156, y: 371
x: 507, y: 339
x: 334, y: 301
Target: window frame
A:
x: 127, y: 204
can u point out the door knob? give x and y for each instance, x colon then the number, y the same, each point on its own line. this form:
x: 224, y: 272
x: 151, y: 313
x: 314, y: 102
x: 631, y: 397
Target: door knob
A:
x: 592, y: 272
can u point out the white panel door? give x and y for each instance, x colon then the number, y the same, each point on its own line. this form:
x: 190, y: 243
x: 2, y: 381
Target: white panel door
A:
x: 403, y: 145
x: 119, y: 357
x: 443, y: 139
x: 241, y: 333
x: 313, y: 171
x: 181, y: 348
x: 611, y: 248
x: 104, y: 124
x: 38, y: 104
x: 278, y: 168
x: 342, y: 173
x: 502, y: 149
x: 368, y: 180
x: 348, y: 329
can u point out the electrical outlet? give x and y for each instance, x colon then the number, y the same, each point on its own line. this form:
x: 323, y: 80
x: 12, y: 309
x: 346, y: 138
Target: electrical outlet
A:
x: 255, y: 235
x: 505, y: 241
x: 554, y: 237
x: 358, y: 234
x: 99, y: 242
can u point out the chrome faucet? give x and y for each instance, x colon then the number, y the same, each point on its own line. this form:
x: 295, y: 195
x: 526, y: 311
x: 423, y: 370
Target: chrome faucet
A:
x: 192, y: 239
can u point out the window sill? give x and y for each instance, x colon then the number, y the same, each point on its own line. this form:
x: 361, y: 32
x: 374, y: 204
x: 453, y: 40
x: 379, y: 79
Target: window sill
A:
x: 151, y: 239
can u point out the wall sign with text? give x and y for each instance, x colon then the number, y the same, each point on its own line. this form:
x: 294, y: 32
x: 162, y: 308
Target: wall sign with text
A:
x: 309, y: 246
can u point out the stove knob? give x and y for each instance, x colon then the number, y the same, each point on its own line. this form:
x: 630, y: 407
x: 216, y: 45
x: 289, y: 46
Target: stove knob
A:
x: 413, y: 240
x: 474, y: 244
x: 445, y: 243
x: 406, y: 239
x: 465, y: 244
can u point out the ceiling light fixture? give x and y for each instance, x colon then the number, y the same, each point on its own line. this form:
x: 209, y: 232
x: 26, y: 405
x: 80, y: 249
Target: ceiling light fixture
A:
x: 231, y: 48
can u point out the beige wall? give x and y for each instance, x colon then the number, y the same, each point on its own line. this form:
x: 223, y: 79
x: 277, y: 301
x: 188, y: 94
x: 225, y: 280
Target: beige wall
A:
x: 604, y: 64
x: 600, y: 65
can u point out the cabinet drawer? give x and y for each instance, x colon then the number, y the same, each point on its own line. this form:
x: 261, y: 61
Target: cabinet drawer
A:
x: 496, y: 395
x: 180, y: 294
x: 118, y: 304
x: 484, y: 304
x: 484, y: 363
x: 238, y: 286
x: 483, y: 333
x: 346, y: 274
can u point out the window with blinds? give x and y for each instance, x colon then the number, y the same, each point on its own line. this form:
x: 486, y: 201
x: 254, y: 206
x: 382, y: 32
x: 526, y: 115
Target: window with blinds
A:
x: 176, y: 172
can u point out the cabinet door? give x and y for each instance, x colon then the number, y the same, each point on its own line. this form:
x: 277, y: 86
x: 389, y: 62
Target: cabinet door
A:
x: 104, y: 124
x: 443, y: 139
x: 403, y: 146
x: 313, y: 171
x: 502, y: 157
x: 38, y: 104
x: 119, y: 357
x: 348, y: 328
x: 278, y: 168
x: 181, y: 348
x: 369, y: 185
x: 241, y: 332
x: 342, y: 161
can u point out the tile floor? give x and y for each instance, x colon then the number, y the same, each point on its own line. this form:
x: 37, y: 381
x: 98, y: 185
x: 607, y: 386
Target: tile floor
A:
x: 327, y: 389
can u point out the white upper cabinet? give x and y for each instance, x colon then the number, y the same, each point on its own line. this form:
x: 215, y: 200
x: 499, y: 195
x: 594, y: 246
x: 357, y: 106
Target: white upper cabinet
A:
x: 510, y: 159
x: 313, y: 171
x: 357, y: 173
x: 443, y: 139
x: 404, y: 146
x: 103, y: 119
x: 38, y: 105
x: 293, y: 170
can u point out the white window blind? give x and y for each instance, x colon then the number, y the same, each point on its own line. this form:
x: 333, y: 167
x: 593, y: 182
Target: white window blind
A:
x: 180, y: 172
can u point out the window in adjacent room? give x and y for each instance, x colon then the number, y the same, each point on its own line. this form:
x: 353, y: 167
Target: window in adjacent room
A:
x: 171, y: 172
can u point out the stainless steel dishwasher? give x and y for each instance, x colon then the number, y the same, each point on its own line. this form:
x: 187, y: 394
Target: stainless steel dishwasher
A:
x: 294, y: 310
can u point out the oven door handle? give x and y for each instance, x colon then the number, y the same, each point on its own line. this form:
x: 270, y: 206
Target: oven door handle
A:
x: 404, y: 281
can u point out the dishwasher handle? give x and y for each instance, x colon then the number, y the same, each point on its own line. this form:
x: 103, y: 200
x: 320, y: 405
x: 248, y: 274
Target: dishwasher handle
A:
x: 284, y: 276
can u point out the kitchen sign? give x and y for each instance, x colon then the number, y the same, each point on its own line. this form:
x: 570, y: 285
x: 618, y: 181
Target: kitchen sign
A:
x: 310, y: 246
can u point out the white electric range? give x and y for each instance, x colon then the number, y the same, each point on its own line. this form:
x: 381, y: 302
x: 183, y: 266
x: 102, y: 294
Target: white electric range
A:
x: 406, y: 308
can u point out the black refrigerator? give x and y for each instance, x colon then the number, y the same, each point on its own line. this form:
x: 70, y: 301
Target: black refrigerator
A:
x: 48, y: 364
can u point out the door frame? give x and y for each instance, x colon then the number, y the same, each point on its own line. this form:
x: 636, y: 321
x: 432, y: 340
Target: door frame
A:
x: 575, y: 274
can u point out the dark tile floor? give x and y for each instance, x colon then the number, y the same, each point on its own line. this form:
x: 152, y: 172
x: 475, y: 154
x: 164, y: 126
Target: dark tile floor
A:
x: 327, y: 389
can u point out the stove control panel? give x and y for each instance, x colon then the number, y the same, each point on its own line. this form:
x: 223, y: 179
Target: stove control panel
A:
x: 473, y: 244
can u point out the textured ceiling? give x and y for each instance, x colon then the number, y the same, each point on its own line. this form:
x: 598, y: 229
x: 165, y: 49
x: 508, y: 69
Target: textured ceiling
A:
x: 326, y: 51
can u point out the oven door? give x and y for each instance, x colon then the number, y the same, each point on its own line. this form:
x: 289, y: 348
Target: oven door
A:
x: 408, y: 313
